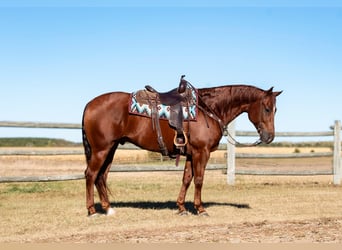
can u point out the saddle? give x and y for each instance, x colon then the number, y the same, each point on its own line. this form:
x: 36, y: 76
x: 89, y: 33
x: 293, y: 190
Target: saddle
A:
x: 174, y: 98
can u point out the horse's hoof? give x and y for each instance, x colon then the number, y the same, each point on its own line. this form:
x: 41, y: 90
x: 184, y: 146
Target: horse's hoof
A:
x: 110, y: 212
x: 203, y: 214
x: 93, y: 215
x: 183, y: 213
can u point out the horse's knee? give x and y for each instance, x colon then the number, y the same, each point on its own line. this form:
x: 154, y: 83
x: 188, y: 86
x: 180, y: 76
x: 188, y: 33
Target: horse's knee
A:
x: 187, y: 175
x: 198, y: 181
x: 187, y: 178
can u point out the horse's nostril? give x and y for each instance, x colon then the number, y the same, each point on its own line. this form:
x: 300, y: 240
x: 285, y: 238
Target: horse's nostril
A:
x: 270, y: 138
x: 266, y: 137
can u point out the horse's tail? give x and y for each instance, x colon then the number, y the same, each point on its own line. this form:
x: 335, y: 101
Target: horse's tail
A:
x: 86, y: 145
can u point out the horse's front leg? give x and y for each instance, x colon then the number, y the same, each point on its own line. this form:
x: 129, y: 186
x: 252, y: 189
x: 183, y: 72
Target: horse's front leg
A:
x: 200, y: 160
x: 187, y: 177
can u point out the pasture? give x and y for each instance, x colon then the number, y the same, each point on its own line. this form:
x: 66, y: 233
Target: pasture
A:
x: 256, y: 209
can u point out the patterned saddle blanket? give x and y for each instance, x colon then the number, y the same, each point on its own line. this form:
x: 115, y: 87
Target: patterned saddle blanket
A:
x: 141, y: 103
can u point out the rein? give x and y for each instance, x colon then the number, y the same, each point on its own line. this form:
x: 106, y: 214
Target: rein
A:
x: 234, y: 142
x: 224, y: 128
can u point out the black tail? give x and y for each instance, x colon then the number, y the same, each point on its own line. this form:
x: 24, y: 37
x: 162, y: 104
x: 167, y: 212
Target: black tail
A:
x: 86, y: 145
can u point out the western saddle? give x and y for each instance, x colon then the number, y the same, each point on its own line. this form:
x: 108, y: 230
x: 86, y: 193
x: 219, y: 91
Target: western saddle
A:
x: 174, y: 98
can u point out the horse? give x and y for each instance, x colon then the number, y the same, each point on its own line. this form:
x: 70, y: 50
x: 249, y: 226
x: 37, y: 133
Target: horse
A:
x: 106, y: 123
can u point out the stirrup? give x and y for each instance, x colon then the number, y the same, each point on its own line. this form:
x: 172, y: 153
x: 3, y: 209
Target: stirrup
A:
x: 180, y: 144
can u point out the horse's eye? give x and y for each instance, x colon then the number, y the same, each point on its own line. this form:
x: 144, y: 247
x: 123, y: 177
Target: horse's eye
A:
x: 267, y: 110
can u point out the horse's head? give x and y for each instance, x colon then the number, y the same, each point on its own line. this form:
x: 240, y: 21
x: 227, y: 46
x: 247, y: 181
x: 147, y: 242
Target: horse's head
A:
x: 261, y: 114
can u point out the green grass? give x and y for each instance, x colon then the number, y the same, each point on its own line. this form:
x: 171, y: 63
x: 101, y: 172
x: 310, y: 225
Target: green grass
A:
x: 32, y: 188
x: 35, y: 142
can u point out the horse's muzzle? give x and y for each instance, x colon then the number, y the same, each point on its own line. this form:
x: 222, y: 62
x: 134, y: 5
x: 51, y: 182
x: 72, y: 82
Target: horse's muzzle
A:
x: 265, y: 136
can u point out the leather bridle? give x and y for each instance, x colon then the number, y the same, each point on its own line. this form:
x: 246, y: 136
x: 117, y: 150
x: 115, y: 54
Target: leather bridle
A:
x: 224, y: 127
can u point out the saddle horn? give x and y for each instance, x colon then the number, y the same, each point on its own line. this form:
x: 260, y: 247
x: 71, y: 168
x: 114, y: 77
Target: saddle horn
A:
x: 182, y: 85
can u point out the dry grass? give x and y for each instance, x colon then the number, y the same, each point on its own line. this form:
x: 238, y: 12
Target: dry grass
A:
x: 257, y: 208
x: 35, y: 165
x: 145, y: 206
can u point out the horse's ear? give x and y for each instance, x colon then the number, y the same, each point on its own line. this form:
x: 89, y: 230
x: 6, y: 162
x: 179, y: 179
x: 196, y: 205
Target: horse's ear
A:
x: 270, y: 91
x: 277, y: 93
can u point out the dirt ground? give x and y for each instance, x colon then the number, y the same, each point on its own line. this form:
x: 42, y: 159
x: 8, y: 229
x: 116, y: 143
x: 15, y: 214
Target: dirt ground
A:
x: 324, y: 230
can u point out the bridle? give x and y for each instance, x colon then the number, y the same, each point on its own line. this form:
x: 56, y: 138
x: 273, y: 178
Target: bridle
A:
x: 231, y: 140
x: 224, y: 128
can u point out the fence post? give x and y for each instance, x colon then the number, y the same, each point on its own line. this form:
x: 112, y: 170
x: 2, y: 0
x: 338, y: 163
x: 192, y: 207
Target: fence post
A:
x: 337, y: 153
x: 231, y: 154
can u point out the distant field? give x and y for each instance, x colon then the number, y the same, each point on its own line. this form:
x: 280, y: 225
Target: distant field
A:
x: 51, y: 142
x: 35, y: 142
x: 75, y: 164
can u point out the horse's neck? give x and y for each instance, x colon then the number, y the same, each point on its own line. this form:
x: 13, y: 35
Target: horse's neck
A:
x: 228, y: 102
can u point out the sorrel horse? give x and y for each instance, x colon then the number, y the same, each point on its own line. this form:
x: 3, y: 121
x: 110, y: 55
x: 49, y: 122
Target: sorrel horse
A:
x: 107, y: 123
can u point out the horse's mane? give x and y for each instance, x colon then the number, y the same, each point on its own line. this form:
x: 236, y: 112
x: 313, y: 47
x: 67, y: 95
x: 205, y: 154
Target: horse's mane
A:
x: 223, y: 98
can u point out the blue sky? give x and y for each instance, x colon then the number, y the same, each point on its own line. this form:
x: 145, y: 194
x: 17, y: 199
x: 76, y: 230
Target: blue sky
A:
x: 56, y: 57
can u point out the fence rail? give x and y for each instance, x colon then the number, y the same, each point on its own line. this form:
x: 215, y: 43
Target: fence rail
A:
x: 288, y: 134
x: 336, y: 155
x: 231, y: 171
x: 116, y: 168
x: 10, y: 124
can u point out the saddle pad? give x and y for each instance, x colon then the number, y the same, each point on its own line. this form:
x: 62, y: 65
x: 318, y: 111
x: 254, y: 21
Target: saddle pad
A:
x: 143, y: 109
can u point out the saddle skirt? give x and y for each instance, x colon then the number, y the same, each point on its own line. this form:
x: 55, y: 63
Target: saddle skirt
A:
x: 141, y: 103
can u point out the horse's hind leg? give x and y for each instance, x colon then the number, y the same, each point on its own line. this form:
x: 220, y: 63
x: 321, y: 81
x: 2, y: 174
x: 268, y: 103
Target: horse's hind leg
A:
x: 101, y: 182
x: 102, y: 189
x: 94, y: 165
x: 90, y: 176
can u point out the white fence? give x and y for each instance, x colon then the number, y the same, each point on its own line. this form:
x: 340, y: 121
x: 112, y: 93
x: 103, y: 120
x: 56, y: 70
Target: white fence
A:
x: 231, y: 155
x: 336, y: 154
